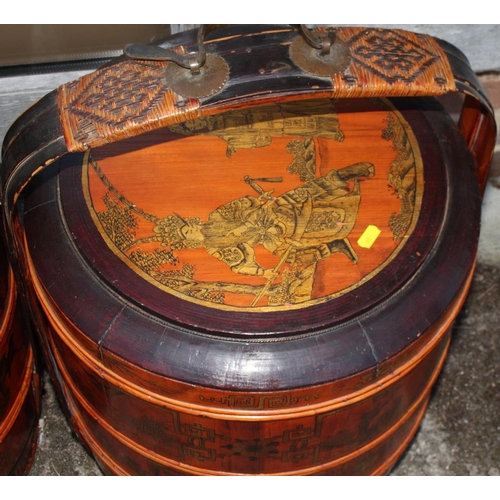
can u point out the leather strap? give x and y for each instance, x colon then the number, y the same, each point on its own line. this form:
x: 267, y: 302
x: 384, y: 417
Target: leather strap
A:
x: 129, y: 97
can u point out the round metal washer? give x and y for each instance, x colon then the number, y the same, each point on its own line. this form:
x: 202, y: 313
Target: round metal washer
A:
x: 310, y: 59
x: 212, y: 77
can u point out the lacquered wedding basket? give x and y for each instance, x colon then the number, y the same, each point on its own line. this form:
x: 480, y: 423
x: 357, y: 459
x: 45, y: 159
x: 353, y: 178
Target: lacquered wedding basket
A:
x: 19, y: 379
x: 243, y: 249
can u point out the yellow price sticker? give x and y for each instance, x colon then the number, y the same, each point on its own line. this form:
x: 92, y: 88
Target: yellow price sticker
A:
x: 369, y: 237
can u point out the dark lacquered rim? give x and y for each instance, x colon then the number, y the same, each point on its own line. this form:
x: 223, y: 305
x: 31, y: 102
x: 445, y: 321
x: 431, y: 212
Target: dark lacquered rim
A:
x: 321, y: 347
x: 268, y: 324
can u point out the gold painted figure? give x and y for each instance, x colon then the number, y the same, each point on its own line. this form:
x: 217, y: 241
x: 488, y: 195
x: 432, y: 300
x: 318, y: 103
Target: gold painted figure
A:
x: 302, y: 226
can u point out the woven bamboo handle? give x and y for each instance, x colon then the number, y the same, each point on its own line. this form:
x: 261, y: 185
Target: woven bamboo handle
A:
x: 133, y: 96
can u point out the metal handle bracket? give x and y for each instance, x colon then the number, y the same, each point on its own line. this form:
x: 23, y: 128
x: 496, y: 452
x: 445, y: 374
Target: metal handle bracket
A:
x: 198, y: 74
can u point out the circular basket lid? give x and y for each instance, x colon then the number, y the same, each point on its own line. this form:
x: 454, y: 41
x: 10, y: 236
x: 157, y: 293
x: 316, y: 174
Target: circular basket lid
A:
x: 292, y: 221
x: 269, y: 221
x: 263, y: 211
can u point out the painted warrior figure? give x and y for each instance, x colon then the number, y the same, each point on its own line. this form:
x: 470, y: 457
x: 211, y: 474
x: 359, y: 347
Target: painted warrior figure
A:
x: 302, y: 226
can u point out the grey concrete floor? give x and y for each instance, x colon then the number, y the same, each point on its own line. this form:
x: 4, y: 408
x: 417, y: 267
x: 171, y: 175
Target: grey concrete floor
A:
x: 460, y: 433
